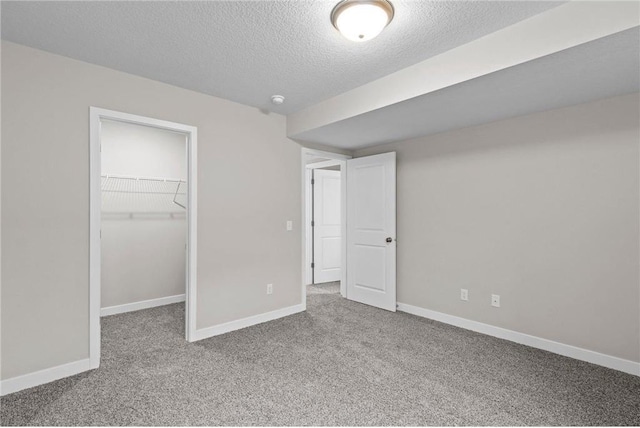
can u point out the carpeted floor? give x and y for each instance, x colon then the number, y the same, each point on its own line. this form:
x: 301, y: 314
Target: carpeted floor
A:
x: 339, y: 363
x: 324, y: 288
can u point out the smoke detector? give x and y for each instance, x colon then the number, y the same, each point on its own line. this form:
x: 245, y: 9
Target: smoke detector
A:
x: 277, y: 99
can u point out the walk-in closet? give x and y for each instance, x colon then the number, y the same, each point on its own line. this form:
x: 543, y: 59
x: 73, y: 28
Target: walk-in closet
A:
x: 144, y: 221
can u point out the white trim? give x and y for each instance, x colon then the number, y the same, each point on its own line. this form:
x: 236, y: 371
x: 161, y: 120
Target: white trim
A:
x: 308, y: 251
x: 40, y: 377
x: 322, y: 164
x: 142, y: 304
x: 343, y: 220
x: 323, y: 154
x: 192, y: 234
x: 335, y: 159
x: 593, y: 357
x: 95, y: 201
x: 95, y: 204
x: 217, y: 330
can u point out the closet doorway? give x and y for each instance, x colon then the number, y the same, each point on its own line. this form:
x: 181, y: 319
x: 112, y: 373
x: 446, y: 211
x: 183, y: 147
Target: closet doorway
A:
x: 142, y: 217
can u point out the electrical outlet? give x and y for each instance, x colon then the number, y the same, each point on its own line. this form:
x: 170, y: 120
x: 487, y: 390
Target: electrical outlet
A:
x: 269, y: 288
x: 289, y: 225
x: 464, y: 294
x: 495, y: 300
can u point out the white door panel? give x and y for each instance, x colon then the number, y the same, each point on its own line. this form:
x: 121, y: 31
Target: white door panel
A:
x: 327, y: 242
x: 371, y: 223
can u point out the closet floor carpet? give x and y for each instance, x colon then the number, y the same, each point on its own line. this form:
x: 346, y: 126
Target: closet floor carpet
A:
x: 339, y: 363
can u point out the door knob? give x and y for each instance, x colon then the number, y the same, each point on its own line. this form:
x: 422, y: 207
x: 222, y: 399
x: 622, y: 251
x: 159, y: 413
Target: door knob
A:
x: 389, y: 240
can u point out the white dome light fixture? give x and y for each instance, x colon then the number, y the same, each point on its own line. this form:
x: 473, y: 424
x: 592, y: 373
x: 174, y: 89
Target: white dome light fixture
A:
x: 361, y: 20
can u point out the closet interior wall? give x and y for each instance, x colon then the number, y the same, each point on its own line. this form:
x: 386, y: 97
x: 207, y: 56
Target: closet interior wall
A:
x: 144, y: 229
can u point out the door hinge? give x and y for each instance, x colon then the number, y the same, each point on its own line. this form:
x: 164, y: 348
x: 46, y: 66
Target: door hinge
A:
x: 313, y: 181
x: 313, y: 223
x: 313, y: 265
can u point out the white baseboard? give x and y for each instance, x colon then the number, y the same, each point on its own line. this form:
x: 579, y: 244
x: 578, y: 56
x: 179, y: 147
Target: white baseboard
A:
x: 593, y: 357
x: 41, y: 377
x: 216, y: 330
x: 143, y: 304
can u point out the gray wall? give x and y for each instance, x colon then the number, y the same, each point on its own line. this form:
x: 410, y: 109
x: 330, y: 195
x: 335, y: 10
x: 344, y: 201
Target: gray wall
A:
x: 143, y: 234
x: 541, y: 209
x: 243, y: 205
x: 136, y: 150
x: 143, y: 258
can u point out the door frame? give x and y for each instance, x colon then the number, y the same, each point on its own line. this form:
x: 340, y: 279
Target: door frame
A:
x: 335, y: 159
x: 95, y: 202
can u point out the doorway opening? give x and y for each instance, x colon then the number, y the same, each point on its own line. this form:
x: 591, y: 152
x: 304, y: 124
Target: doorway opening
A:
x: 367, y: 228
x: 142, y: 217
x: 324, y: 214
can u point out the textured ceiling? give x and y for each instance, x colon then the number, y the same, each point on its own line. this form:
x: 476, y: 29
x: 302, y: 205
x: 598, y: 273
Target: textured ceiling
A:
x: 602, y: 68
x: 246, y: 51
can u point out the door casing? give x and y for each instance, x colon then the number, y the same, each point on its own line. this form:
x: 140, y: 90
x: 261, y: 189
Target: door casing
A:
x: 96, y: 115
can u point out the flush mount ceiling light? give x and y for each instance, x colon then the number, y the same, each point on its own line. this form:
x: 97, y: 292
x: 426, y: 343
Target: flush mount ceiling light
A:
x: 361, y: 20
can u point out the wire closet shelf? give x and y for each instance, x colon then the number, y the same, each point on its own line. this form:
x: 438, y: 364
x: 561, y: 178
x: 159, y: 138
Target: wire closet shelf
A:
x: 143, y: 195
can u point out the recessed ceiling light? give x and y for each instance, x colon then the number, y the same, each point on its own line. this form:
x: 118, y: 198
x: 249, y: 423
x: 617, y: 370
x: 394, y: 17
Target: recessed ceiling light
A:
x: 277, y: 99
x: 361, y: 20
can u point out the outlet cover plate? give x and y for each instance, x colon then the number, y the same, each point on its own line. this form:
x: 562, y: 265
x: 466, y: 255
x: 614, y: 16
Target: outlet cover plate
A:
x: 495, y: 300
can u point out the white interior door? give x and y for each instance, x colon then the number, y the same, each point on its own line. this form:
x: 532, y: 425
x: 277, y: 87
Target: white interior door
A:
x: 371, y: 230
x: 327, y: 254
